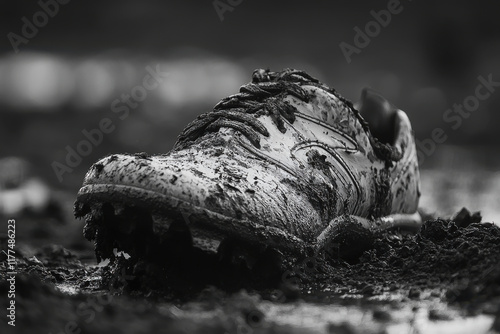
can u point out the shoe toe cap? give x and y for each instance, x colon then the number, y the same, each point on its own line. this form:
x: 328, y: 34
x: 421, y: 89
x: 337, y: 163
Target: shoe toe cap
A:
x: 223, y: 186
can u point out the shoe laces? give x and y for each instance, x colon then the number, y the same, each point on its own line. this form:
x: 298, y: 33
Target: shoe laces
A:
x: 263, y: 96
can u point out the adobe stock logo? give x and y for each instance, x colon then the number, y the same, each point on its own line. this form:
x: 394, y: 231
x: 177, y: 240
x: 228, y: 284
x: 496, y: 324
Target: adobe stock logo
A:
x: 222, y: 6
x: 372, y: 29
x: 29, y: 29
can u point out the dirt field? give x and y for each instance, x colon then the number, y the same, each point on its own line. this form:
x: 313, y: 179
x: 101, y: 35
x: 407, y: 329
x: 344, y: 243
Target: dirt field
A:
x: 445, y: 279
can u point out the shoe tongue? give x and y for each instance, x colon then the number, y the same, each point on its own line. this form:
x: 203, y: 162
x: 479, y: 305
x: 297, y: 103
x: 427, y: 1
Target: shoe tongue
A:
x: 380, y: 115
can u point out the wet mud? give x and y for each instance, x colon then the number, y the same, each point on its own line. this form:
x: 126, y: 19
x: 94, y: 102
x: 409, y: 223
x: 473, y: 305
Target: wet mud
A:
x: 449, y: 268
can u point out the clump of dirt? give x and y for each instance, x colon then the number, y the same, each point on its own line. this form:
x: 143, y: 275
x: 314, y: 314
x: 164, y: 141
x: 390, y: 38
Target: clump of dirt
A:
x: 56, y: 255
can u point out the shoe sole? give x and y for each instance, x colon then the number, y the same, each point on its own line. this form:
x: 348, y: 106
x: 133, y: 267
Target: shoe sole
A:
x: 207, y: 228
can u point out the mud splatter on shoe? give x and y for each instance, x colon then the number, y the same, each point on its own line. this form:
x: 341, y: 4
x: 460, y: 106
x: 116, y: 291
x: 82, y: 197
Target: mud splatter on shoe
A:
x: 286, y: 163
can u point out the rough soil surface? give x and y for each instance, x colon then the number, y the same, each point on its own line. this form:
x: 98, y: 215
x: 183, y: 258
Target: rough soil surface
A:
x: 446, y: 273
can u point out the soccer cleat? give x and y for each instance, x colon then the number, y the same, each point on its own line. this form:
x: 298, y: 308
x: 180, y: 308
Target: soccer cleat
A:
x: 286, y: 163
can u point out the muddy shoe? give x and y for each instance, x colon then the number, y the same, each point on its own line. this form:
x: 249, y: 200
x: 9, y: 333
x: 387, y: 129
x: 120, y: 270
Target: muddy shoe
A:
x: 284, y: 163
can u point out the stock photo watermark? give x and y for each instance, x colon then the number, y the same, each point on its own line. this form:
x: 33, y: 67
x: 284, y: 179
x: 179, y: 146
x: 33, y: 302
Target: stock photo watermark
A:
x: 372, y: 29
x: 30, y: 27
x: 223, y: 6
x: 456, y: 115
x: 11, y: 272
x: 120, y: 106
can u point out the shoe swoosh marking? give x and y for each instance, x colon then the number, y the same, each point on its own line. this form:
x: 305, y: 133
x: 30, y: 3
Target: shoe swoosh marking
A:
x: 266, y: 157
x: 337, y: 141
x: 346, y: 142
x: 345, y: 167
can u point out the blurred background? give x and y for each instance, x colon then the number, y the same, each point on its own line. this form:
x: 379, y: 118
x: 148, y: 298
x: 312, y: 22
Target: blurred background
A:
x: 63, y: 65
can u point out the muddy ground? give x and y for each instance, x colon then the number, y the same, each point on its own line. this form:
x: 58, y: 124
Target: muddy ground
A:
x: 444, y: 279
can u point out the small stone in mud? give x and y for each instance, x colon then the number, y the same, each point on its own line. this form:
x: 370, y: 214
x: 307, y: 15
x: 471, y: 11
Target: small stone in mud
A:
x: 438, y: 314
x: 414, y: 294
x: 368, y: 290
x: 290, y: 291
x: 381, y: 315
x: 464, y: 218
x: 462, y: 294
x: 435, y: 230
x: 343, y: 328
x: 254, y: 318
x: 141, y: 155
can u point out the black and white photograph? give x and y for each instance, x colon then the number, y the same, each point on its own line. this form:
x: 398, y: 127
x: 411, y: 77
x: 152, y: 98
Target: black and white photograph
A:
x: 250, y: 167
